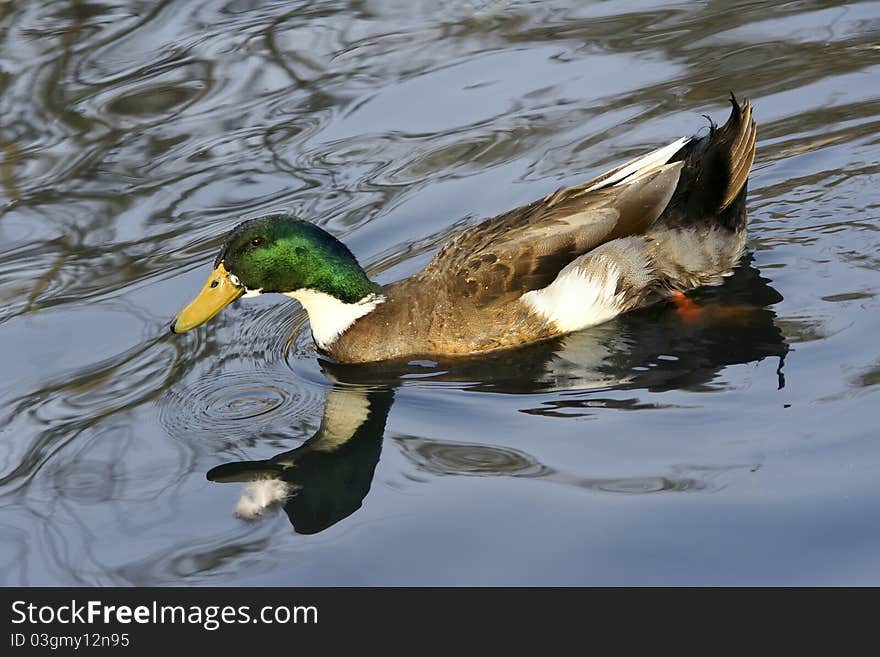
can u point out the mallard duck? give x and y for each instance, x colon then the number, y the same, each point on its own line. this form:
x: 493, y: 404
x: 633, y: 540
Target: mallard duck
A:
x: 648, y: 230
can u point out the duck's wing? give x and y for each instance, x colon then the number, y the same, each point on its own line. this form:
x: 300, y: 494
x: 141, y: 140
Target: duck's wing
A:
x: 524, y: 249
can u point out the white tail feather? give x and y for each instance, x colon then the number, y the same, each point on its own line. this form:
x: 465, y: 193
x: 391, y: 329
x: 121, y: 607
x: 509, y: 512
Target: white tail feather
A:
x: 641, y: 166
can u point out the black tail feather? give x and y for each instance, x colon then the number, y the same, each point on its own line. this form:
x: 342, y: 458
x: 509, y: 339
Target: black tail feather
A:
x: 715, y: 173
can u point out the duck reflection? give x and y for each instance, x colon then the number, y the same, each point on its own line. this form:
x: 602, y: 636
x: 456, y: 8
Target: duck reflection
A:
x: 662, y: 348
x: 326, y: 479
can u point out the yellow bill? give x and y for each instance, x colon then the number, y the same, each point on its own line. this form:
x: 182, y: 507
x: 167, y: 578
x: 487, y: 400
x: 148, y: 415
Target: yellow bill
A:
x: 219, y: 291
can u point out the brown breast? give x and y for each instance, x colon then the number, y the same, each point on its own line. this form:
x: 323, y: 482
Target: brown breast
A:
x: 421, y: 317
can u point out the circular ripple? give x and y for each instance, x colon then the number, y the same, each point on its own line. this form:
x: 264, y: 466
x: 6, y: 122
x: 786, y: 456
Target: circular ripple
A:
x: 449, y: 458
x: 239, y: 381
x: 244, y: 401
x: 642, y: 485
x: 238, y: 403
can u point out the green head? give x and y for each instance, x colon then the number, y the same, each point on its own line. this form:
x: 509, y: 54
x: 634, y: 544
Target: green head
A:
x: 280, y: 253
x: 277, y: 253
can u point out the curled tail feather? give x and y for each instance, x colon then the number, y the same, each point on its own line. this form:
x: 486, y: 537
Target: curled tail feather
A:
x: 739, y: 132
x: 715, y: 173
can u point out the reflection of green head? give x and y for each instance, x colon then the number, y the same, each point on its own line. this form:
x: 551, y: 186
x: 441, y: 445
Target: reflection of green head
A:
x: 280, y: 253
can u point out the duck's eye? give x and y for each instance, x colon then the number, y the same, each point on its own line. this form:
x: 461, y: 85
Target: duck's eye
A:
x: 257, y: 241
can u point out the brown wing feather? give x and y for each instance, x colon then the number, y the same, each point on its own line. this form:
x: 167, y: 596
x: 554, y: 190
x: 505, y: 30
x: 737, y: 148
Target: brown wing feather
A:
x: 524, y: 249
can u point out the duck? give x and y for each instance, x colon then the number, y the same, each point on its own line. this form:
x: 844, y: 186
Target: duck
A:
x: 647, y: 231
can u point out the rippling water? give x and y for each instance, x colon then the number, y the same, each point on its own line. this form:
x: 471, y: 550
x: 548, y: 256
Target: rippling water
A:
x: 738, y: 449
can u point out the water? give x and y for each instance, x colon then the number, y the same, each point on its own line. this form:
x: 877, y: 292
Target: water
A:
x: 738, y: 449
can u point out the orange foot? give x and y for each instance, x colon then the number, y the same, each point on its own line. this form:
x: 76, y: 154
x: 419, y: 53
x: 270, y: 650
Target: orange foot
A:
x: 691, y: 313
x: 687, y: 310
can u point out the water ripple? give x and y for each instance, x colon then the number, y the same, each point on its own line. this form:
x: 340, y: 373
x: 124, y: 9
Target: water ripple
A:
x: 223, y: 401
